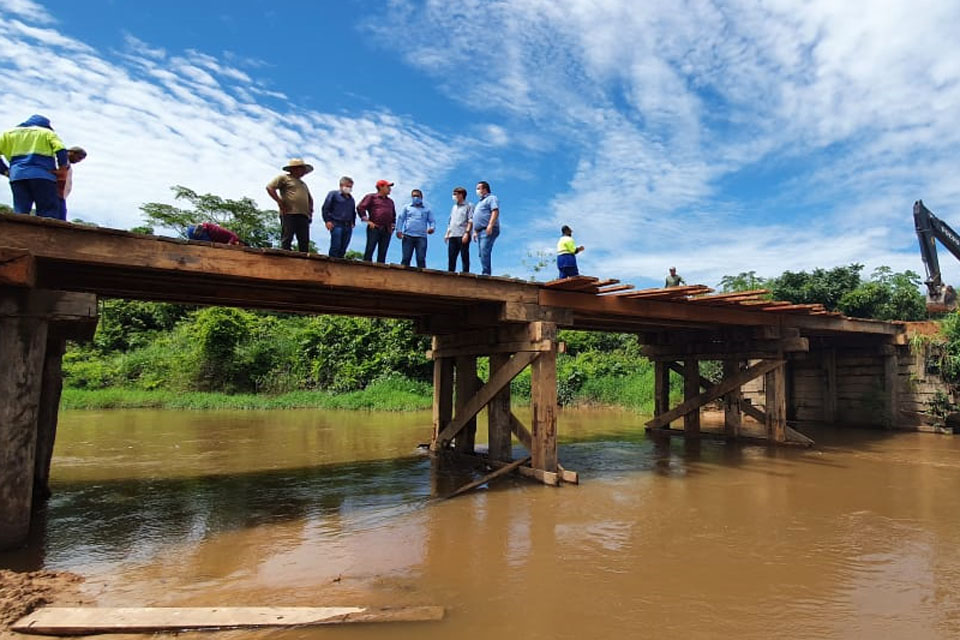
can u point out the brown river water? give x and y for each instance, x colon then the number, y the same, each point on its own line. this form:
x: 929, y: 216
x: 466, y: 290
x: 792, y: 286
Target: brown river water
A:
x: 857, y: 538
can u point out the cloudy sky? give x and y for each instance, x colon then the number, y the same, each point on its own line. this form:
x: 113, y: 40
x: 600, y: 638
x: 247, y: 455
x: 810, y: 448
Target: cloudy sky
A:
x: 717, y: 136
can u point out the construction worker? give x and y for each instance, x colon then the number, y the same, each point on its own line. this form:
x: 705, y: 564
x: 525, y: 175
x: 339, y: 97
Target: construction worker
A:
x: 35, y: 153
x: 674, y: 279
x: 567, y: 251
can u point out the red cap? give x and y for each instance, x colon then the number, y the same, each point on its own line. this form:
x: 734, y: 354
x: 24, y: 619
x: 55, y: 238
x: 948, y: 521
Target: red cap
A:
x: 384, y: 183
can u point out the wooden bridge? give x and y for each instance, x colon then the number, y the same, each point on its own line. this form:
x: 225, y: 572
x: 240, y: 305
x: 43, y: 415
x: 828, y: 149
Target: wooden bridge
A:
x: 52, y: 272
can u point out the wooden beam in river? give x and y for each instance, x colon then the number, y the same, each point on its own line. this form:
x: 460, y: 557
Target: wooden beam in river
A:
x: 62, y: 621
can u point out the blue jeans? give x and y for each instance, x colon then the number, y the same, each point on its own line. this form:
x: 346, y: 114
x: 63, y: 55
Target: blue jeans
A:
x: 567, y: 265
x: 411, y: 243
x: 37, y: 191
x: 377, y: 238
x: 340, y: 239
x: 485, y: 244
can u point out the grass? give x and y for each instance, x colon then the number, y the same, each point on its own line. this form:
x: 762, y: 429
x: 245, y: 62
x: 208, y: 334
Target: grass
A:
x: 387, y: 395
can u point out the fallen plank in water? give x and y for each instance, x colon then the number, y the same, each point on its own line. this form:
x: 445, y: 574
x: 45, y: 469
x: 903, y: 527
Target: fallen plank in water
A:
x: 69, y: 621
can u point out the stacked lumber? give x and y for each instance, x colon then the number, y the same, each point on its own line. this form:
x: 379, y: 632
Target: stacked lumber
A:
x: 752, y: 300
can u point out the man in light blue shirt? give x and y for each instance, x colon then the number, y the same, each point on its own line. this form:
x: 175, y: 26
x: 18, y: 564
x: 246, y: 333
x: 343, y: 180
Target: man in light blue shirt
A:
x: 486, y: 224
x: 413, y: 225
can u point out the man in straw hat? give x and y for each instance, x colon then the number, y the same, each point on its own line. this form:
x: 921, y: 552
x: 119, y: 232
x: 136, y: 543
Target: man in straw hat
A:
x: 296, y: 204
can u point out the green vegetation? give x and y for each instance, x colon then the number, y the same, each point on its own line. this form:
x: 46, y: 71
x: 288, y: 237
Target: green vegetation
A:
x: 884, y: 296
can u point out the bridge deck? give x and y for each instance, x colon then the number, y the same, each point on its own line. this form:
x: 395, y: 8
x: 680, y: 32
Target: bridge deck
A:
x: 49, y: 254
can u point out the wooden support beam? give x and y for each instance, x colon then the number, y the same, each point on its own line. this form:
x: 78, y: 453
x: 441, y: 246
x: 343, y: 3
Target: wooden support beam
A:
x: 543, y: 400
x: 733, y: 295
x: 48, y: 413
x: 714, y: 392
x: 732, y: 400
x: 691, y: 389
x: 775, y: 389
x: 549, y: 478
x: 498, y: 414
x: 17, y: 268
x: 661, y: 388
x: 496, y: 473
x: 614, y: 289
x: 442, y: 398
x: 520, y: 430
x: 497, y: 381
x: 727, y: 348
x: 483, y: 350
x: 466, y: 388
x: 754, y: 412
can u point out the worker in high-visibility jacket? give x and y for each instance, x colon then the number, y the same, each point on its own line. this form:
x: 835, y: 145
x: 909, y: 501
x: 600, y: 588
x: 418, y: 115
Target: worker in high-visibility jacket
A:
x: 567, y: 251
x: 35, y: 153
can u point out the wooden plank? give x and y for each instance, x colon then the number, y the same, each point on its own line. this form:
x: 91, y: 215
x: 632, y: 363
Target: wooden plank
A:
x: 614, y: 289
x: 733, y: 295
x: 606, y: 283
x: 678, y: 351
x: 93, y: 620
x: 442, y: 398
x: 576, y: 283
x: 497, y: 381
x: 732, y: 400
x: 498, y: 415
x: 466, y: 388
x: 571, y: 477
x: 17, y: 268
x: 549, y: 478
x: 661, y: 391
x: 776, y: 403
x: 543, y: 402
x: 493, y: 475
x: 754, y: 412
x: 673, y: 292
x: 499, y: 348
x: 691, y: 389
x: 714, y: 392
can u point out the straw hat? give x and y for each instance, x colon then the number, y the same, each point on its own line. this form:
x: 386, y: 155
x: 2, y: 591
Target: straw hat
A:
x: 298, y: 162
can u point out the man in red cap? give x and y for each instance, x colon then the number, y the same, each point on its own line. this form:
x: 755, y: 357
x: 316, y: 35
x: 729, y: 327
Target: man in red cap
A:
x: 380, y: 214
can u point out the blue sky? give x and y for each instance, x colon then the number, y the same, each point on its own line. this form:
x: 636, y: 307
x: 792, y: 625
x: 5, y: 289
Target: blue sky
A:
x: 715, y: 136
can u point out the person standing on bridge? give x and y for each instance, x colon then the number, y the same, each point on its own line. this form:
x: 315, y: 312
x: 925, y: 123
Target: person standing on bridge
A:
x: 416, y: 221
x: 339, y: 215
x: 486, y: 224
x: 293, y: 197
x: 380, y: 214
x: 65, y: 177
x: 567, y: 251
x: 35, y: 153
x: 458, y: 231
x: 674, y: 279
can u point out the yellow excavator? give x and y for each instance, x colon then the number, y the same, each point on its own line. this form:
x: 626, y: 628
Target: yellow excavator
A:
x: 941, y: 298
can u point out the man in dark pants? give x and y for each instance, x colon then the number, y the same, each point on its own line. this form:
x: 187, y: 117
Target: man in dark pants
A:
x: 458, y: 231
x: 35, y: 153
x: 339, y: 213
x: 296, y: 204
x: 380, y: 214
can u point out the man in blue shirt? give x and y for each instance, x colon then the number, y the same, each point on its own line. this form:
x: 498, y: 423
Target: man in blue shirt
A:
x: 413, y: 225
x: 339, y: 215
x: 486, y: 224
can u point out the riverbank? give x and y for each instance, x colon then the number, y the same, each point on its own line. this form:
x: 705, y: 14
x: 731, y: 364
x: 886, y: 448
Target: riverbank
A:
x: 633, y: 392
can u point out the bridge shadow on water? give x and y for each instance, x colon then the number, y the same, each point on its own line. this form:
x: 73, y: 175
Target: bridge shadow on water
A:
x: 90, y: 523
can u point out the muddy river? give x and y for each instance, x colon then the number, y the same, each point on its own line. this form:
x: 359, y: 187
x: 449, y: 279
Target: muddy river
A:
x: 858, y: 538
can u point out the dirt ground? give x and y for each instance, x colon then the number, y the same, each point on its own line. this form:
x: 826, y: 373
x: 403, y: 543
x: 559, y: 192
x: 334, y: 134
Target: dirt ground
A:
x: 21, y: 593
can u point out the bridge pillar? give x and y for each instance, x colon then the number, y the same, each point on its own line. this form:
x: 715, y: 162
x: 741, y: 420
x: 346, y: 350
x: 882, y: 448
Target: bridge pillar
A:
x: 33, y: 328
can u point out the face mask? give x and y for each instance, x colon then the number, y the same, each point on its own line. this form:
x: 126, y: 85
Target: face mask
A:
x: 417, y: 200
x: 346, y: 190
x: 455, y: 198
x: 479, y: 193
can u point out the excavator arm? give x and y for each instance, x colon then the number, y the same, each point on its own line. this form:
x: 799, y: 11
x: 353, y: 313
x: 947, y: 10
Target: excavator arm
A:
x: 930, y: 228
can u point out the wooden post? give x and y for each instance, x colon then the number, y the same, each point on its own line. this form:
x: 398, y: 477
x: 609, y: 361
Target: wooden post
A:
x: 691, y: 389
x: 498, y: 415
x: 442, y: 398
x: 829, y: 365
x: 661, y: 393
x: 48, y: 412
x: 466, y: 388
x: 776, y: 404
x: 732, y: 401
x: 890, y: 393
x: 23, y: 342
x: 543, y: 398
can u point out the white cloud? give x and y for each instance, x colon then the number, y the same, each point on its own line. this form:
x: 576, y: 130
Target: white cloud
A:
x: 853, y: 103
x: 150, y: 120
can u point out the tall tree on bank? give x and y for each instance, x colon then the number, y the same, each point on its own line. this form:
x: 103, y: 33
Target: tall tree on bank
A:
x: 256, y: 227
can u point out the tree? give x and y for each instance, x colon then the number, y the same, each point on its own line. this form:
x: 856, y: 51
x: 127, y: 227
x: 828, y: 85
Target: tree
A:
x: 6, y: 209
x: 537, y: 261
x: 255, y: 227
x: 886, y: 296
x: 822, y: 286
x: 743, y: 281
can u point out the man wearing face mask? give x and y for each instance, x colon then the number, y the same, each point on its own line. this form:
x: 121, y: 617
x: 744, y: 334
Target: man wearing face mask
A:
x: 486, y: 224
x: 458, y: 231
x: 377, y: 210
x: 339, y: 215
x: 413, y: 225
